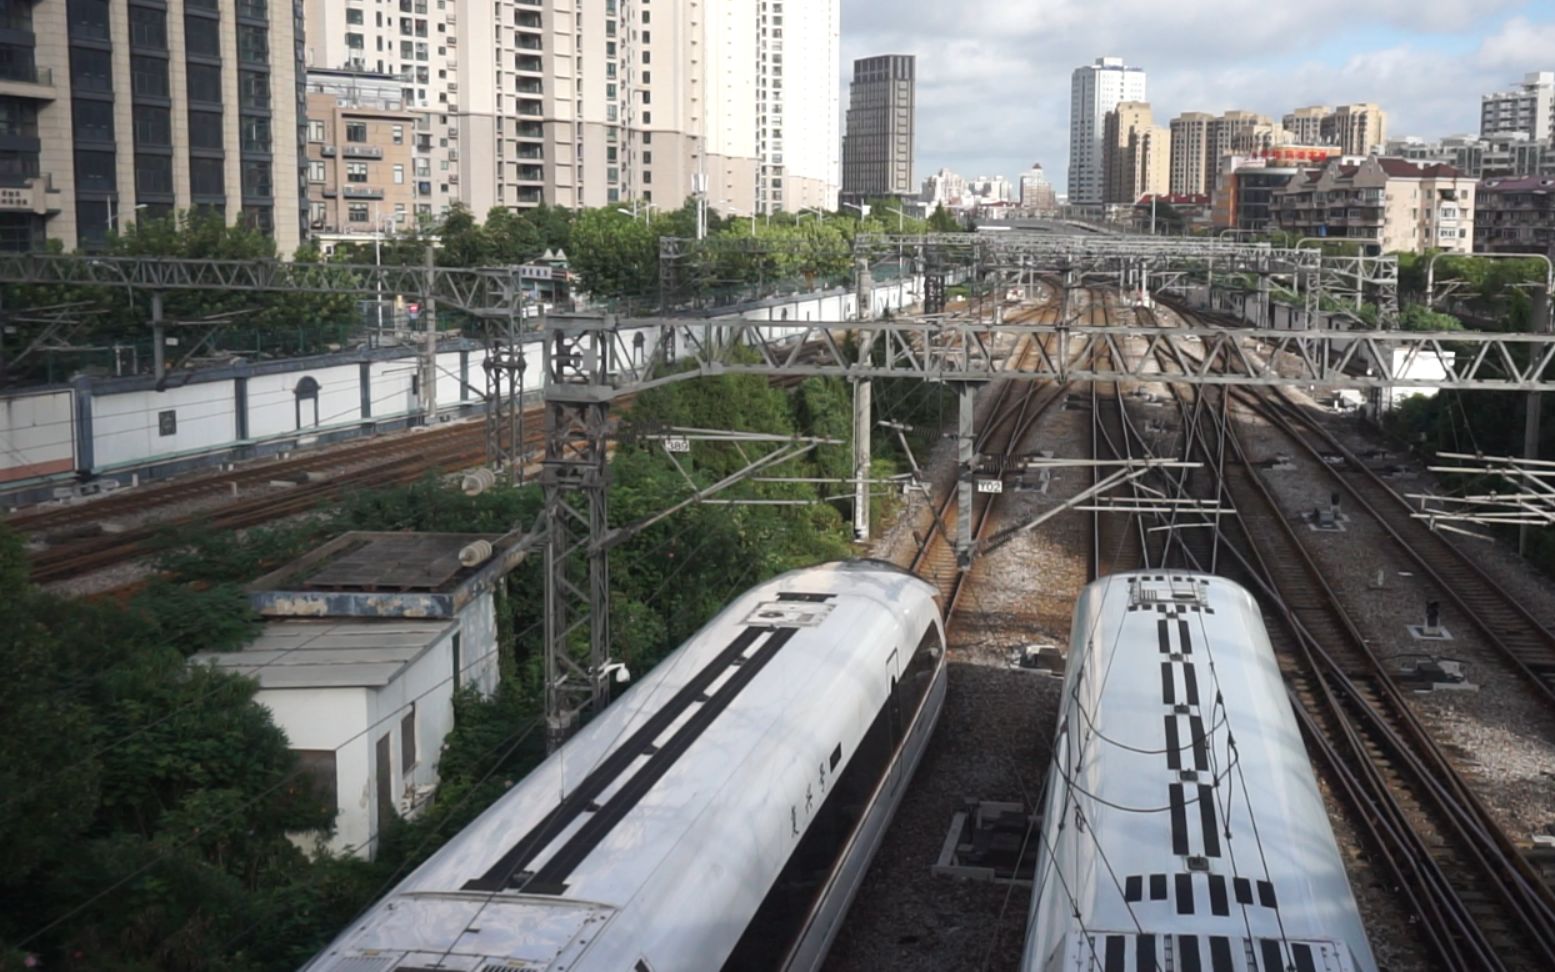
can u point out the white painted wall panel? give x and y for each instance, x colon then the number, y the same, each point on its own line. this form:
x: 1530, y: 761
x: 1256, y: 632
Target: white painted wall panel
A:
x: 37, y: 435
x: 125, y: 426
x: 273, y: 406
x: 391, y: 388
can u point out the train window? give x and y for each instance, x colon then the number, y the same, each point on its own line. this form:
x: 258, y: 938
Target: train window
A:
x: 781, y: 917
x: 919, y: 674
x: 167, y: 422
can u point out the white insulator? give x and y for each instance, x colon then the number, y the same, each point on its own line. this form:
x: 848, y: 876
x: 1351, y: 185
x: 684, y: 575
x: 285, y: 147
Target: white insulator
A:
x: 478, y: 481
x: 475, y: 553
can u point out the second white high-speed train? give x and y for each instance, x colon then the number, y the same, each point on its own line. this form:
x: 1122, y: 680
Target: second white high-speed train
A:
x: 1182, y: 827
x: 721, y: 814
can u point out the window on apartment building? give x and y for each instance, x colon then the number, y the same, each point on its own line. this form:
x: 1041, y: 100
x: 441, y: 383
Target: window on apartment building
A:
x: 646, y: 58
x: 647, y: 97
x: 254, y: 134
x: 150, y: 76
x: 148, y: 28
x: 254, y: 89
x: 256, y: 179
x: 354, y: 16
x: 356, y: 212
x: 647, y: 77
x: 356, y: 42
x: 201, y: 36
x: 399, y: 174
x: 205, y: 130
x: 423, y: 167
x: 204, y: 83
x: 93, y: 120
x: 647, y: 177
x: 647, y: 118
x: 356, y: 131
x: 207, y: 177
x: 315, y: 130
x: 399, y: 213
x: 154, y: 174
x: 253, y: 44
x: 356, y: 171
x: 315, y: 171
x: 91, y: 70
x: 153, y: 125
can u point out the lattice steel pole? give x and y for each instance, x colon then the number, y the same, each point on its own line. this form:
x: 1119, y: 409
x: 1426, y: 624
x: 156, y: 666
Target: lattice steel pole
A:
x: 863, y: 409
x: 575, y: 478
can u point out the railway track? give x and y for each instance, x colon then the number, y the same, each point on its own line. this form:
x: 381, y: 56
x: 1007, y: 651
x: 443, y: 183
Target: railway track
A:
x: 254, y: 473
x: 1016, y: 407
x: 1526, y: 646
x: 398, y: 467
x: 1482, y: 905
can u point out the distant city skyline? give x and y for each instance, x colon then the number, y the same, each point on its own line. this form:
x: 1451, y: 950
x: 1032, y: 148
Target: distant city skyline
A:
x: 994, y: 80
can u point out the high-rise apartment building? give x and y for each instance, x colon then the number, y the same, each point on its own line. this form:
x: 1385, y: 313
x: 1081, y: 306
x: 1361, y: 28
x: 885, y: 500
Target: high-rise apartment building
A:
x: 1358, y: 129
x: 1096, y: 89
x: 1036, y: 193
x: 1306, y: 124
x: 119, y: 111
x: 1528, y: 108
x: 1136, y: 153
x: 877, y: 150
x: 1190, y: 163
x: 605, y: 102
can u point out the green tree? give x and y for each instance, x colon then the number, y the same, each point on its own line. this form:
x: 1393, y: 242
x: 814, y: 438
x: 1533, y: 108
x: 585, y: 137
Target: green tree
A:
x: 941, y: 221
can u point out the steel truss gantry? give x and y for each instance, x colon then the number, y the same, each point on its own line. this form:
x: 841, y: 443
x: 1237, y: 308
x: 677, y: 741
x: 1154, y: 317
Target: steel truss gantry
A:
x: 592, y: 362
x: 1307, y: 277
x: 480, y: 292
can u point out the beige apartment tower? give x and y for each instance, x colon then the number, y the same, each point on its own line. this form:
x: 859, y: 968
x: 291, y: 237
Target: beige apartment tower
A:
x: 1136, y: 154
x: 136, y: 110
x: 1190, y: 164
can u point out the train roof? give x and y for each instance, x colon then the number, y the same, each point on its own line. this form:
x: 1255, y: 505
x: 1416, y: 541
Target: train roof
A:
x: 643, y: 805
x: 1179, y: 749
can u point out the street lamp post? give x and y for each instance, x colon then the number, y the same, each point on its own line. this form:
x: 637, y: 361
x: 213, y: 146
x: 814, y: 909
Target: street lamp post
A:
x: 113, y: 213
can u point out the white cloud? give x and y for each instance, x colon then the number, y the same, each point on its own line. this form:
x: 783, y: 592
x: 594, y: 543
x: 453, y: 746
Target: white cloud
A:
x: 993, y: 88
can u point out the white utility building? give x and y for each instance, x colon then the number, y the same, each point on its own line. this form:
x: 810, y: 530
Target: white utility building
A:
x: 373, y: 636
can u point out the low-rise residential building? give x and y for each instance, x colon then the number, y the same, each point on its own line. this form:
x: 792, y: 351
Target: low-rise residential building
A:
x: 1498, y: 156
x: 1515, y: 216
x: 361, y: 161
x: 1389, y: 203
x: 1245, y: 185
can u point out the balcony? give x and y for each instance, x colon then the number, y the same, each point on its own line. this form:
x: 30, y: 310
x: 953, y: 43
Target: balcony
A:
x: 361, y: 192
x: 20, y: 80
x: 531, y: 107
x: 363, y: 152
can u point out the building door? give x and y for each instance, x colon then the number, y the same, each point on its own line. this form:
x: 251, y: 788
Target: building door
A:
x: 384, y: 768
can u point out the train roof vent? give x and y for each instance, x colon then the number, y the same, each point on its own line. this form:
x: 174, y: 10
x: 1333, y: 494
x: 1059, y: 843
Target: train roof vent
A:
x: 1149, y: 590
x: 789, y: 614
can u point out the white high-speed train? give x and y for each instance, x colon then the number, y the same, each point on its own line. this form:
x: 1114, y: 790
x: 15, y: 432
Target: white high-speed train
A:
x: 1183, y: 829
x: 721, y: 814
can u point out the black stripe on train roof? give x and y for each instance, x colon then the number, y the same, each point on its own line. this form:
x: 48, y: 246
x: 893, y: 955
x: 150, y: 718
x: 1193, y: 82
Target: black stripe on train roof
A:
x: 582, y: 799
x: 551, y: 878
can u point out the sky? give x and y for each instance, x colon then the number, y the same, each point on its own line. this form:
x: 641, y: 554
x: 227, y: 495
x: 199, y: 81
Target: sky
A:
x: 993, y: 75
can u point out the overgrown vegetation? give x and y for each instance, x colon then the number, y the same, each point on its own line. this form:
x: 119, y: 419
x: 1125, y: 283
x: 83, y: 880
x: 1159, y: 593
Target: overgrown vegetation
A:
x: 145, y: 806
